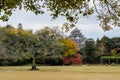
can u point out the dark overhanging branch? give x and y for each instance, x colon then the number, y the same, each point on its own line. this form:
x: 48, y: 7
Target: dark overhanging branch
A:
x: 109, y: 8
x: 2, y: 4
x: 95, y: 7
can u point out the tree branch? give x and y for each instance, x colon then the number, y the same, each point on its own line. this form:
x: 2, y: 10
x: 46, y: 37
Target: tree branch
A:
x: 95, y: 7
x: 109, y: 8
x: 2, y: 4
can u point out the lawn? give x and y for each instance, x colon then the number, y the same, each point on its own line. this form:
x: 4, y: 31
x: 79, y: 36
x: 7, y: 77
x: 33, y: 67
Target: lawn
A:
x: 84, y: 72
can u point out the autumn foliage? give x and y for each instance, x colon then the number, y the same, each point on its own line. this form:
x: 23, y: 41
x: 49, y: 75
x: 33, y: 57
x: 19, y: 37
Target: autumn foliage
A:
x: 76, y: 59
x: 69, y: 47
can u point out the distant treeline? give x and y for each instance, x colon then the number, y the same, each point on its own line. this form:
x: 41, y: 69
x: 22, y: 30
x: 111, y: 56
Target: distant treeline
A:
x: 49, y: 46
x: 94, y: 51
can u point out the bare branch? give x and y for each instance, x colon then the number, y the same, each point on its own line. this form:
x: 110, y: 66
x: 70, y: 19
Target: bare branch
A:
x: 95, y: 7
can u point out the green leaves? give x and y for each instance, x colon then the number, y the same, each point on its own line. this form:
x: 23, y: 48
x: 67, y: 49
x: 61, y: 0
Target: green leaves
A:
x: 49, y: 38
x: 4, y: 17
x: 108, y: 11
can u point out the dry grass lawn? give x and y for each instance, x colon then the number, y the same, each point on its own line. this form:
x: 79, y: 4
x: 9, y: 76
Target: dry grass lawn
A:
x: 83, y: 72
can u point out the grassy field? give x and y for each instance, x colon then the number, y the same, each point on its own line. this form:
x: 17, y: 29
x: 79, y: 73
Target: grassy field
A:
x: 83, y: 72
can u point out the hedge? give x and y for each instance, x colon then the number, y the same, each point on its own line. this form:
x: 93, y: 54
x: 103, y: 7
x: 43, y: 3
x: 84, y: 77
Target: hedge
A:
x: 110, y: 57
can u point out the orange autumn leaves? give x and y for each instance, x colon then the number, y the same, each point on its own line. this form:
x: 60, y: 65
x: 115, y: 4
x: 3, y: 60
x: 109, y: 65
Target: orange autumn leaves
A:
x: 69, y: 47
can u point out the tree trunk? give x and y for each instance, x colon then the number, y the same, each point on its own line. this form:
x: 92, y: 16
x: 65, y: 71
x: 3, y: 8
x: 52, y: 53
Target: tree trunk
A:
x: 116, y: 61
x: 34, y: 65
x: 101, y: 61
x: 109, y: 61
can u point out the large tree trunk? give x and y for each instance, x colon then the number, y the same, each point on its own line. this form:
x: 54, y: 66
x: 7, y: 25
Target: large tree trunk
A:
x: 34, y: 65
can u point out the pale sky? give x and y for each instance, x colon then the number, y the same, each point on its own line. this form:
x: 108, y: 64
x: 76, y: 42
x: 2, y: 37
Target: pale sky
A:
x: 89, y: 26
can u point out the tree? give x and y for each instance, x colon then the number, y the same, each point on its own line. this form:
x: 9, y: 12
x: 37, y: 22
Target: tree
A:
x: 21, y: 44
x: 50, y: 42
x: 108, y: 11
x: 69, y: 47
x: 113, y: 43
x: 3, y: 49
x: 90, y: 50
x: 104, y: 40
x: 100, y: 50
x: 101, y: 46
x: 32, y: 48
x: 113, y: 52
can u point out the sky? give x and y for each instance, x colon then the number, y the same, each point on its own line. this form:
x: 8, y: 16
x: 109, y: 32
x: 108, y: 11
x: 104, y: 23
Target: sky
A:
x: 89, y: 26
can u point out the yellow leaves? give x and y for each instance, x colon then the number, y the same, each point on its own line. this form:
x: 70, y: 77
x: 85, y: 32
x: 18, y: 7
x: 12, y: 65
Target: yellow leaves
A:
x: 113, y: 52
x: 21, y: 32
x: 13, y: 31
x: 101, y: 49
x: 18, y: 32
x: 70, y: 47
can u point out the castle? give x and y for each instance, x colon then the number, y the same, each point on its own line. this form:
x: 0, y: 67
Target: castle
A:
x: 77, y: 37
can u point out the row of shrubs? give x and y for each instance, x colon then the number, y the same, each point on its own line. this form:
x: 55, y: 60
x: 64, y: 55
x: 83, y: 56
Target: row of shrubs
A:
x: 50, y: 61
x: 46, y: 61
x: 12, y: 62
